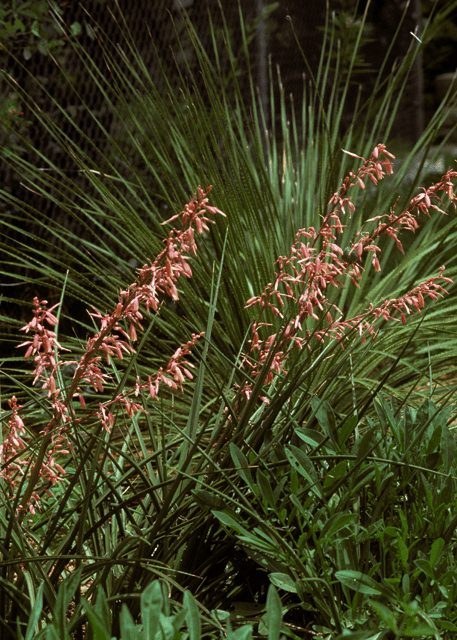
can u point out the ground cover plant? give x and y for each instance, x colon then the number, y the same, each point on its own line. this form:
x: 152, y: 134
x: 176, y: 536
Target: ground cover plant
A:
x: 301, y: 435
x: 156, y: 497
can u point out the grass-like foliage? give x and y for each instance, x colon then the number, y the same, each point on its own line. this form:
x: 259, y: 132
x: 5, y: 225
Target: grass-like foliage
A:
x: 265, y: 402
x: 314, y: 514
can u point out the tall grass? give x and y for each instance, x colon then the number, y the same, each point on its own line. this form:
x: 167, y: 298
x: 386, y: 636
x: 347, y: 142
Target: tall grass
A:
x: 159, y: 148
x: 288, y: 460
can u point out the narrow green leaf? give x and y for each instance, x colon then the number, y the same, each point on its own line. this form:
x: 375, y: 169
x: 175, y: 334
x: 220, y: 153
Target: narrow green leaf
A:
x: 447, y: 448
x: 35, y: 614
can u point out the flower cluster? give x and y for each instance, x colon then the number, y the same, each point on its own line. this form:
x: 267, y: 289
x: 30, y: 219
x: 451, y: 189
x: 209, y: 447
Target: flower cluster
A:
x: 159, y: 277
x: 316, y: 262
x: 12, y: 448
x: 173, y: 377
x: 15, y: 463
x: 116, y: 333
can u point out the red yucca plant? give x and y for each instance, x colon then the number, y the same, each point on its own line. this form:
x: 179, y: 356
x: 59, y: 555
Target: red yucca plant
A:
x: 157, y: 278
x: 314, y: 263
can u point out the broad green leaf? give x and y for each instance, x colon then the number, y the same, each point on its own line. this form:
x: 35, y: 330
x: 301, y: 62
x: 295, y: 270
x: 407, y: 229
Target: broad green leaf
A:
x: 75, y: 28
x: 259, y: 542
x: 274, y: 613
x: 206, y: 498
x: 301, y: 463
x: 420, y: 628
x: 428, y: 494
x: 310, y: 436
x: 358, y: 635
x: 366, y: 444
x: 65, y: 594
x: 326, y: 418
x: 35, y: 29
x: 447, y: 492
x: 386, y: 615
x: 403, y: 552
x: 192, y: 616
x: 102, y: 609
x: 346, y: 429
x: 283, y: 581
x: 151, y: 608
x: 335, y: 474
x: 129, y: 631
x: 445, y: 624
x: 392, y: 422
x: 425, y: 566
x: 231, y: 522
x: 337, y: 522
x: 265, y: 488
x: 436, y: 551
x: 52, y: 634
x: 98, y: 626
x: 241, y: 633
x: 362, y: 583
x: 241, y: 463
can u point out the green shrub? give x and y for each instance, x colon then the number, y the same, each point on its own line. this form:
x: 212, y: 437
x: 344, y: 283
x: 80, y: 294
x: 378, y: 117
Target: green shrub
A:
x: 280, y: 459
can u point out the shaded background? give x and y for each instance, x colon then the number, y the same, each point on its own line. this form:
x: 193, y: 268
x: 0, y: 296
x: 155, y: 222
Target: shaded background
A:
x: 270, y: 25
x: 37, y: 48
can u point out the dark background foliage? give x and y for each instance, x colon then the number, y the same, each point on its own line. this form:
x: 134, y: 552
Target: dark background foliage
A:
x: 37, y: 49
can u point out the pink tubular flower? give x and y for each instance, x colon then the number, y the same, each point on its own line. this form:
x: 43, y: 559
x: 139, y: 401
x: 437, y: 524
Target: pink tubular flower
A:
x: 157, y: 278
x: 304, y: 275
x: 113, y: 339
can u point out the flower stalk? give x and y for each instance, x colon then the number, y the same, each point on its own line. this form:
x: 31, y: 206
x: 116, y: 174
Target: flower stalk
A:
x: 154, y: 279
x: 316, y: 262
